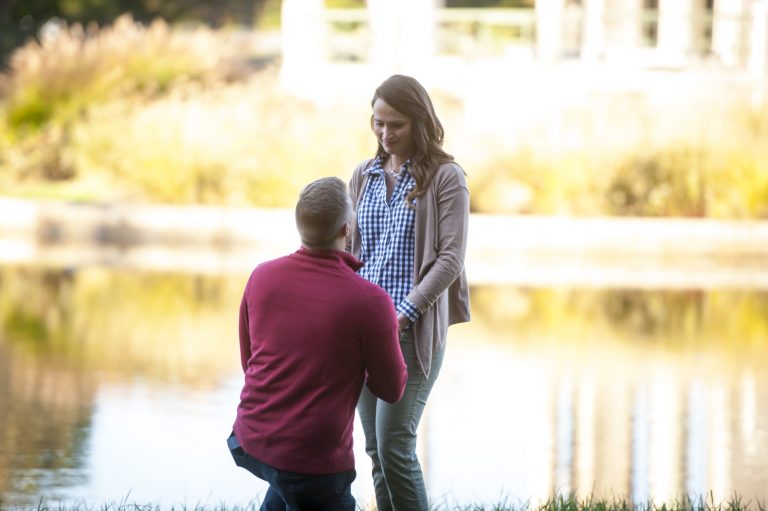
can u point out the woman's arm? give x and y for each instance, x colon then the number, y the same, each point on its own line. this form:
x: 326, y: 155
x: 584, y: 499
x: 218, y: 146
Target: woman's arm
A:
x: 452, y: 198
x: 356, y: 183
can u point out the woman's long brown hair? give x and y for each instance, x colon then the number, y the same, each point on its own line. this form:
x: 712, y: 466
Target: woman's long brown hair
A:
x: 407, y: 96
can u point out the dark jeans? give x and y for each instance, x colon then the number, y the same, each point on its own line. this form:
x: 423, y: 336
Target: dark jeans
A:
x: 290, y: 491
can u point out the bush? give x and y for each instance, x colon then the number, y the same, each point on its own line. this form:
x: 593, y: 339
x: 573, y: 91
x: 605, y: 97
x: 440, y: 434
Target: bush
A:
x: 226, y: 146
x: 73, y: 68
x: 684, y: 173
x: 670, y: 182
x: 53, y: 84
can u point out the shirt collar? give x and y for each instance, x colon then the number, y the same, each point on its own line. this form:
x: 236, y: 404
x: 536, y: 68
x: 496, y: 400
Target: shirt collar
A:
x: 331, y: 255
x: 376, y: 167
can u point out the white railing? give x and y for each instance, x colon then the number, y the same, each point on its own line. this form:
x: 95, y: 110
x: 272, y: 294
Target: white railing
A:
x: 459, y: 31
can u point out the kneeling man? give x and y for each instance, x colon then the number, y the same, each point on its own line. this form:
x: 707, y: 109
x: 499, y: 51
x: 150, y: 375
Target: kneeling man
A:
x: 312, y: 332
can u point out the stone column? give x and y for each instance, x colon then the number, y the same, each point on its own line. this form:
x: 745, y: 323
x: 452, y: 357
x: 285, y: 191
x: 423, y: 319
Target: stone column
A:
x: 677, y: 30
x: 729, y: 31
x: 593, y: 42
x: 549, y: 29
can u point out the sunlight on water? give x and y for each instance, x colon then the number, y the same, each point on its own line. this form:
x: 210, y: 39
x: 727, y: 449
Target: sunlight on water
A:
x: 123, y: 385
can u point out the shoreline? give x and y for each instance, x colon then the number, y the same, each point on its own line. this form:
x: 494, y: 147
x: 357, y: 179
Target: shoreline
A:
x: 516, y: 250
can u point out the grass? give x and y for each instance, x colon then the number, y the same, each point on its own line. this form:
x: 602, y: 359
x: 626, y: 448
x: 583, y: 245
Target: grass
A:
x: 555, y: 503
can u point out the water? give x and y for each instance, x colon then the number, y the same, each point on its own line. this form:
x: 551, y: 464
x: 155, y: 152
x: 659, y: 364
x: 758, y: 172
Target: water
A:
x: 121, y: 385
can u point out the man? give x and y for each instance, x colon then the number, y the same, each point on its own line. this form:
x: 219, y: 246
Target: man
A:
x: 312, y: 332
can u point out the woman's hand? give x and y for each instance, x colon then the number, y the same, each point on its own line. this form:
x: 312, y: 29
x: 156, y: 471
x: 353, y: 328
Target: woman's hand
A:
x: 403, y: 323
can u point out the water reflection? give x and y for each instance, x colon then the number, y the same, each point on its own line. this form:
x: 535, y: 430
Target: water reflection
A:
x: 642, y: 394
x: 45, y: 423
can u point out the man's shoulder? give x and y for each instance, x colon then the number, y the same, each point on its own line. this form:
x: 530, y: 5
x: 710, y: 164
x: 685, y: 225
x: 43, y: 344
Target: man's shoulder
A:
x: 272, y: 263
x: 270, y: 268
x: 361, y: 289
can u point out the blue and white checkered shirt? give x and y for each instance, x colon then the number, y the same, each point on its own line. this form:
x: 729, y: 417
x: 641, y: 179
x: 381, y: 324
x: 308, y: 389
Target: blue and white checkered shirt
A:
x: 386, y: 232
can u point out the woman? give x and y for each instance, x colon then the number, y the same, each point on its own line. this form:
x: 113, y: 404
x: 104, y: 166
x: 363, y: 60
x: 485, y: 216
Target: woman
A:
x: 410, y: 229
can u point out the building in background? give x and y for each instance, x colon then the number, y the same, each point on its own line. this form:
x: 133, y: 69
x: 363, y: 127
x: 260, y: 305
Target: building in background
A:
x: 427, y: 38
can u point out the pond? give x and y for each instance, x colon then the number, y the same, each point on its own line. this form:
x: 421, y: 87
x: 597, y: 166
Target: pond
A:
x: 120, y: 384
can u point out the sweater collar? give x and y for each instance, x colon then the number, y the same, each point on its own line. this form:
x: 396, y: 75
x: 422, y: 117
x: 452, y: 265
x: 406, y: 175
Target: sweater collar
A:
x: 332, y: 255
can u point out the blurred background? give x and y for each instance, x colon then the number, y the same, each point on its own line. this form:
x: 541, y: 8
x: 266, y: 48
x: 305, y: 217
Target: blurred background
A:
x: 617, y: 159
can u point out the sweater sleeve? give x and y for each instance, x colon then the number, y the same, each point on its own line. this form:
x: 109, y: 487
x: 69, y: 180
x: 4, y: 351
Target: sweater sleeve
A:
x: 244, y: 332
x: 452, y: 197
x: 382, y: 356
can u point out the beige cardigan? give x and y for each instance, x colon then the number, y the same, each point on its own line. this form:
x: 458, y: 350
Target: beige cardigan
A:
x: 440, y: 290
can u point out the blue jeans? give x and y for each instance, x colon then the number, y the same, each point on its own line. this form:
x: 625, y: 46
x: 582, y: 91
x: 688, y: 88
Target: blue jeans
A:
x: 390, y: 435
x: 291, y: 491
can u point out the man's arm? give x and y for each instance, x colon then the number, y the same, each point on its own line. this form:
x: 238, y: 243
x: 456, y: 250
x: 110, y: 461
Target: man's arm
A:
x: 244, y: 332
x: 383, y: 358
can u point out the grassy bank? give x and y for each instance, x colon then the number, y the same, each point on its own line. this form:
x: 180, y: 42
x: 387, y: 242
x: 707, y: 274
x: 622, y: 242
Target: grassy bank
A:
x: 558, y: 503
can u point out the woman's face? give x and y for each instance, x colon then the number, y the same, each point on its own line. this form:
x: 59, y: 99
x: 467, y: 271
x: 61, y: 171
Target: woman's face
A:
x: 392, y: 129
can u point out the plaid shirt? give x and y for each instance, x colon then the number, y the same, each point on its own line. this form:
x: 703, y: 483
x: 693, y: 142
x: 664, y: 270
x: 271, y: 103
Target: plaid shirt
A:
x: 386, y: 232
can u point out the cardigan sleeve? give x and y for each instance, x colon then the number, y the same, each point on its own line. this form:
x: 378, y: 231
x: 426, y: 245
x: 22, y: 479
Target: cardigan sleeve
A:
x: 356, y: 184
x: 447, y: 226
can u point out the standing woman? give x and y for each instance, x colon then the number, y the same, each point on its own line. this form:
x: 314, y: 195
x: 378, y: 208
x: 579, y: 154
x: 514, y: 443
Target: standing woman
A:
x: 410, y: 229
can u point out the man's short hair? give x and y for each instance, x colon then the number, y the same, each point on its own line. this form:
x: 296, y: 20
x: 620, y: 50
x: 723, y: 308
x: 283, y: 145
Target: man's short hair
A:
x: 323, y: 208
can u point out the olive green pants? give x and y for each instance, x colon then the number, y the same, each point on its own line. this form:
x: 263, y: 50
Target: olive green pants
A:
x: 390, y: 435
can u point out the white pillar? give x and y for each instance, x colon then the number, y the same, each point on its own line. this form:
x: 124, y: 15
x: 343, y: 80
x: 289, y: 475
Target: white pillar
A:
x: 418, y: 39
x: 623, y: 26
x: 677, y: 30
x: 593, y: 44
x: 304, y: 35
x: 549, y: 29
x: 384, y: 32
x: 758, y: 55
x: 728, y: 31
x: 403, y: 34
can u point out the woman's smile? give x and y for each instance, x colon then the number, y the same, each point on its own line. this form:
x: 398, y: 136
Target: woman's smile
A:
x: 392, y: 129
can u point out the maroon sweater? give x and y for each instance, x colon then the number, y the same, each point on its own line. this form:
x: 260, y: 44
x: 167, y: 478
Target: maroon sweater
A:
x: 312, y: 332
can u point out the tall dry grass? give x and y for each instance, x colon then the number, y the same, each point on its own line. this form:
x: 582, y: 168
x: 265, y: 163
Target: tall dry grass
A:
x: 53, y: 83
x: 71, y: 68
x: 636, y: 160
x: 163, y: 114
x: 245, y: 144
